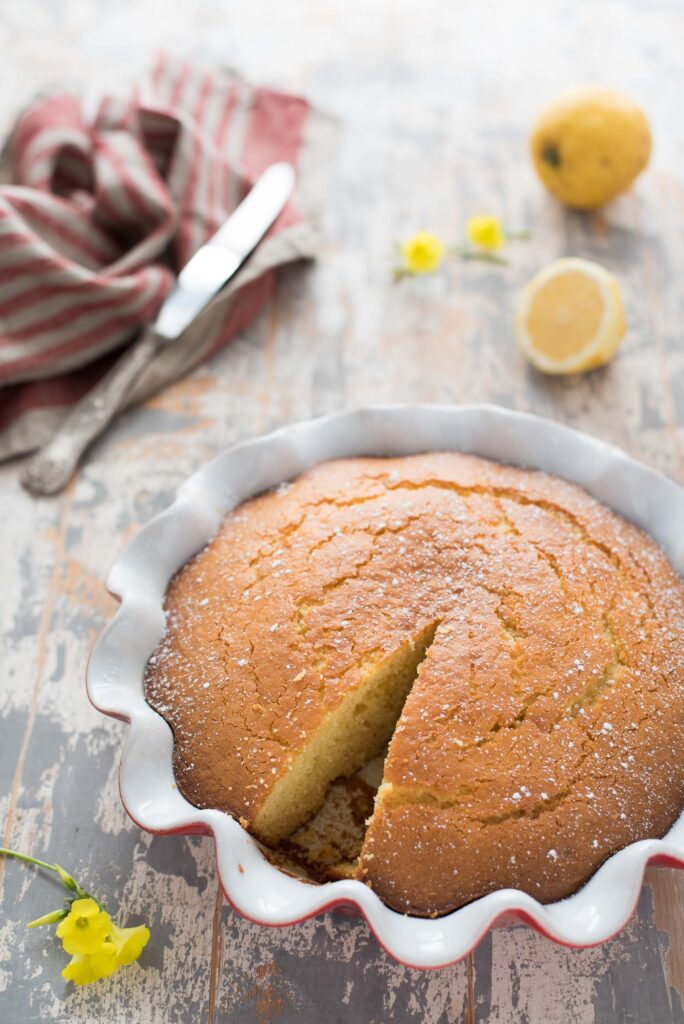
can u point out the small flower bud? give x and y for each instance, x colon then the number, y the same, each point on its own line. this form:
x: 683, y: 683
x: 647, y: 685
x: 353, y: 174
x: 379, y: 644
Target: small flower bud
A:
x: 67, y: 880
x: 51, y: 918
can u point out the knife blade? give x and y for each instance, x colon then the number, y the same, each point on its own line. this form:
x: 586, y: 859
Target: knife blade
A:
x: 211, y: 267
x: 225, y: 252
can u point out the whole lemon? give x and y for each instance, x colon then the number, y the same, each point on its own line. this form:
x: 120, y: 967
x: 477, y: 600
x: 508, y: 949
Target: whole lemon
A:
x: 589, y: 146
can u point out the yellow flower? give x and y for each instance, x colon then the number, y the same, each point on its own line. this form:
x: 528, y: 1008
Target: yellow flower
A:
x: 422, y: 254
x: 129, y: 943
x: 121, y: 946
x: 486, y: 232
x: 98, y: 947
x: 84, y: 969
x: 85, y: 928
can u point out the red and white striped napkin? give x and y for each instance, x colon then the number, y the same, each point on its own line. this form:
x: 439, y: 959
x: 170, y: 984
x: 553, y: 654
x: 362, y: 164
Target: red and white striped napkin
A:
x: 102, y: 214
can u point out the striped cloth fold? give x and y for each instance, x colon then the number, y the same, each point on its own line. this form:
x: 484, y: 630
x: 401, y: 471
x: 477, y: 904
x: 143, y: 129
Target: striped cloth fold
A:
x: 101, y: 214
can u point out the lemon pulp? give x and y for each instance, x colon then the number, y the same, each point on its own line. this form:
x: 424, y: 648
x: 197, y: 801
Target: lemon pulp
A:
x: 565, y: 316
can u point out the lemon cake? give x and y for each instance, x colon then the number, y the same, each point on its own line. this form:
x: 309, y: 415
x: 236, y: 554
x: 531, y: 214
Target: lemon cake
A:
x: 519, y: 646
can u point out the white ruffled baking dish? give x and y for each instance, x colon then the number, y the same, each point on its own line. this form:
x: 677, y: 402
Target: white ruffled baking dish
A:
x: 256, y: 888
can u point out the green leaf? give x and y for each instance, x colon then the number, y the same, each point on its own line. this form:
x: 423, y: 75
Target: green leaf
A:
x: 4, y: 852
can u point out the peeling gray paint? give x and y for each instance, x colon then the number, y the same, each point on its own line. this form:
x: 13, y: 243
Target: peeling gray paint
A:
x: 436, y: 110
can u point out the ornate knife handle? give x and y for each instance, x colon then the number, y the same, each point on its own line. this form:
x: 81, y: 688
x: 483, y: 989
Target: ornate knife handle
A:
x: 50, y: 470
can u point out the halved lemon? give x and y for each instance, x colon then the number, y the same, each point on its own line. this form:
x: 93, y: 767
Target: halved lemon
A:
x: 570, y: 317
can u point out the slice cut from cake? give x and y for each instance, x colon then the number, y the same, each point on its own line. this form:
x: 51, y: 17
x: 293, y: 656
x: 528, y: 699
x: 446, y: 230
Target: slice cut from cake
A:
x: 520, y: 646
x: 355, y: 731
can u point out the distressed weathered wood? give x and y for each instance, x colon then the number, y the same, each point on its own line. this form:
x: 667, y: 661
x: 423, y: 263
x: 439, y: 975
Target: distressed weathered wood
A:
x: 436, y: 99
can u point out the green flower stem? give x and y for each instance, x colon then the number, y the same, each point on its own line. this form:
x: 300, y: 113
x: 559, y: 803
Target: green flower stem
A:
x: 478, y: 254
x: 29, y: 860
x: 69, y: 883
x: 487, y: 257
x: 65, y: 878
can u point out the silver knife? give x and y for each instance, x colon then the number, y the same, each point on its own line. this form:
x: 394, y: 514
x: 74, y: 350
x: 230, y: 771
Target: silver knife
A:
x: 212, y: 266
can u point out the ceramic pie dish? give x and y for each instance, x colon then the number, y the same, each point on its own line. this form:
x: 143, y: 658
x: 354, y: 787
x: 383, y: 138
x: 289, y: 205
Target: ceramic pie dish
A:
x: 254, y: 886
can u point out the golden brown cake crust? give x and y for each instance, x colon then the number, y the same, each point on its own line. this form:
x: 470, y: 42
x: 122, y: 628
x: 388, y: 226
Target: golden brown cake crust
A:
x: 543, y: 730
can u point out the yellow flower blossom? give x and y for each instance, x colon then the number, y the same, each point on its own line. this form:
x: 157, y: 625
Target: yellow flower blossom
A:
x: 486, y: 232
x: 82, y: 970
x: 422, y: 254
x: 129, y: 943
x: 85, y: 928
x: 119, y: 947
x: 98, y: 947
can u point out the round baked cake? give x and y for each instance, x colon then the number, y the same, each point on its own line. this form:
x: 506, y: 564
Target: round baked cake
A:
x: 520, y: 646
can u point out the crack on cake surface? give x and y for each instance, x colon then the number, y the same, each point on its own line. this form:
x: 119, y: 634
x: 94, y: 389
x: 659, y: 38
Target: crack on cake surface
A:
x: 593, y: 691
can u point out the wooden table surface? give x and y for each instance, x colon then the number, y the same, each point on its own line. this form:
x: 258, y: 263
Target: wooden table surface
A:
x: 435, y: 100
